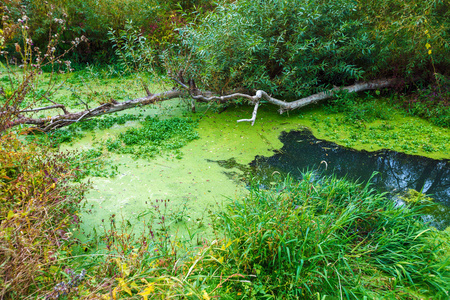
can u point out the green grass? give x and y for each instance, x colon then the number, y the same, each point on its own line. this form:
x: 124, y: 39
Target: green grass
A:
x: 328, y: 237
x: 318, y: 238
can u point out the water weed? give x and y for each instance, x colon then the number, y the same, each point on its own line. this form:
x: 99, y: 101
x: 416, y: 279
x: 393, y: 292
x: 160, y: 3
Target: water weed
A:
x: 371, y: 124
x: 156, y: 137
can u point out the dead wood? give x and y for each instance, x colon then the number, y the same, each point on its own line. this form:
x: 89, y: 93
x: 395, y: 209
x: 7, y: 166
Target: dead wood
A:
x: 51, y: 123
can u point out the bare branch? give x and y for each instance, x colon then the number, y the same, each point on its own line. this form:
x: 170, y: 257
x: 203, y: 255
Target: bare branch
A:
x: 63, y: 107
x: 286, y: 106
x: 180, y: 83
x: 226, y: 98
x: 253, y: 119
x: 46, y: 108
x: 47, y: 124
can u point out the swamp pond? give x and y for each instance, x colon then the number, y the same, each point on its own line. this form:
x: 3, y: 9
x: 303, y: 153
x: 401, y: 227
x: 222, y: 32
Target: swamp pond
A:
x: 216, y: 167
x: 395, y: 172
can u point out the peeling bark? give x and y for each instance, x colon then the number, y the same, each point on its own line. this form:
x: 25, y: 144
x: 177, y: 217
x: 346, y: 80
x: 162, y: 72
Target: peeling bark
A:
x: 51, y: 123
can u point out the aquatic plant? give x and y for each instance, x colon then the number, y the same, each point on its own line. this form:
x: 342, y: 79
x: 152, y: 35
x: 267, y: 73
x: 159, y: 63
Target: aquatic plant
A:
x: 313, y: 238
x: 415, y: 197
x: 324, y: 237
x: 156, y: 136
x: 77, y: 130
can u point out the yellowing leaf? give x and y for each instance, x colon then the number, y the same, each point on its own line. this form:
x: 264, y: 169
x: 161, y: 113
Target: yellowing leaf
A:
x: 227, y: 245
x: 114, y: 292
x: 11, y: 214
x: 148, y: 290
x: 124, y: 286
x: 205, y: 295
x: 122, y: 266
x: 220, y: 259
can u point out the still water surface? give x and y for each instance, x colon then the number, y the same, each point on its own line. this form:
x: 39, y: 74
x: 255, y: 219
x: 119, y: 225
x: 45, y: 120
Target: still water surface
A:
x: 396, y: 172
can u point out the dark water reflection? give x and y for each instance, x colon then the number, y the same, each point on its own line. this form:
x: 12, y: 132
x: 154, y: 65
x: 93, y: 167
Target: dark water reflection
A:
x: 398, y: 172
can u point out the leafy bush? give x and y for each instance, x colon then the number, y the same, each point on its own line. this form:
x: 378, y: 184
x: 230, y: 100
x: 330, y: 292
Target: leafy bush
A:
x: 355, y: 109
x: 295, y: 48
x: 431, y: 102
x: 38, y: 205
x: 157, y: 20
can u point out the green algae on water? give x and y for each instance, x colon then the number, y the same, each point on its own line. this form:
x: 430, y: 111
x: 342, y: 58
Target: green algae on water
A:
x: 197, y: 182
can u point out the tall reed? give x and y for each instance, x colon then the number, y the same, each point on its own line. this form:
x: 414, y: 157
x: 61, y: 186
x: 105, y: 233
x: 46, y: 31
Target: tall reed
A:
x: 330, y: 237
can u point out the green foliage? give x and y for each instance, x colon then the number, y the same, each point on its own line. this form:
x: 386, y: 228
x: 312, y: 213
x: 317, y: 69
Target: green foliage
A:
x: 157, y: 20
x: 132, y: 49
x: 327, y: 237
x: 320, y: 237
x: 357, y: 109
x: 295, y: 48
x: 135, y: 53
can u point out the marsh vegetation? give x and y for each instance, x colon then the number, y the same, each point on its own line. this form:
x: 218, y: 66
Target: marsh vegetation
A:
x: 124, y: 174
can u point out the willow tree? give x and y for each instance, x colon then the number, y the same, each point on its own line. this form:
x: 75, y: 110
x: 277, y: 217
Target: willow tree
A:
x: 290, y: 53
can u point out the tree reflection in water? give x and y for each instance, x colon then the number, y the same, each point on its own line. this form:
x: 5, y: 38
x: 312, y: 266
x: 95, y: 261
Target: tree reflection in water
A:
x: 397, y: 172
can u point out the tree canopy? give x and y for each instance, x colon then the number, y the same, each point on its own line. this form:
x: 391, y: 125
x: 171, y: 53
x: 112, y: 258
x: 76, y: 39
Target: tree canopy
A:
x: 298, y: 47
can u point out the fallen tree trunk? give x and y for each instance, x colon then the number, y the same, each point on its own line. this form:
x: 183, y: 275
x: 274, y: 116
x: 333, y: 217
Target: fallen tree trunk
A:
x: 287, y: 106
x: 51, y: 123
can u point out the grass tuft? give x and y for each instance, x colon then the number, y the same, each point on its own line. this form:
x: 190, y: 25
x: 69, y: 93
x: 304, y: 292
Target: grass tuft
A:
x: 330, y: 237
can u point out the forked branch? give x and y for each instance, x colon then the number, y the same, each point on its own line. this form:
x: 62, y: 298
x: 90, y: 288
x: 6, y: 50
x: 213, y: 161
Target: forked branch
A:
x: 253, y: 119
x: 287, y: 106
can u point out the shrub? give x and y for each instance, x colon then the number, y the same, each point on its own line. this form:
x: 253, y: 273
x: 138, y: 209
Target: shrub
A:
x: 431, y: 102
x: 156, y: 20
x: 38, y: 206
x: 295, y: 48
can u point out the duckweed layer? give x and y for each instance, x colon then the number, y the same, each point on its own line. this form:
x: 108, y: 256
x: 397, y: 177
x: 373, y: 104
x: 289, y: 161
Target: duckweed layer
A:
x: 195, y: 183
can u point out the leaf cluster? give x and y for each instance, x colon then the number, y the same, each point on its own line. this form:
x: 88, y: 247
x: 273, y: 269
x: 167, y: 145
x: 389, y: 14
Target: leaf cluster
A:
x: 156, y: 19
